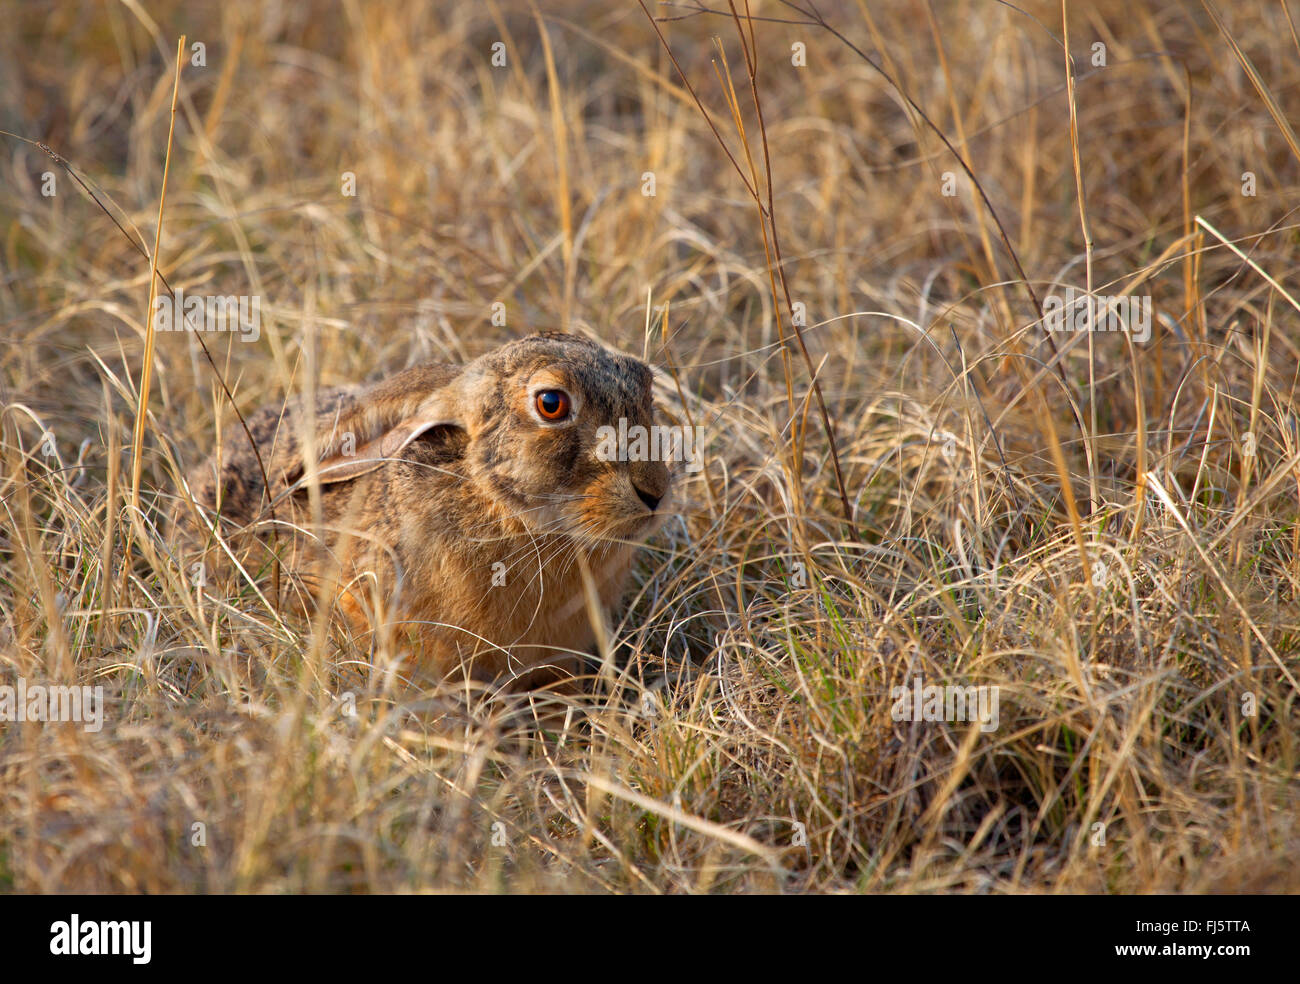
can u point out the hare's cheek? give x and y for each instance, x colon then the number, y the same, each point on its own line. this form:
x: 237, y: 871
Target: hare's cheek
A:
x: 553, y: 466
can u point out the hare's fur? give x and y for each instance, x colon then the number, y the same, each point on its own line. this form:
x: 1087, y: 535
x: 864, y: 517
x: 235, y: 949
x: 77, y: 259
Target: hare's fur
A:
x: 460, y: 519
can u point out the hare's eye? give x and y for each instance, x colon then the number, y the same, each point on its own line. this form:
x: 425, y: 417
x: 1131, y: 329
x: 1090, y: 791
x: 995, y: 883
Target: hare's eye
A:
x: 553, y: 404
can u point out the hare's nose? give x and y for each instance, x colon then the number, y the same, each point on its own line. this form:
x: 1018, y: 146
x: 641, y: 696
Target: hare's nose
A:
x: 651, y: 501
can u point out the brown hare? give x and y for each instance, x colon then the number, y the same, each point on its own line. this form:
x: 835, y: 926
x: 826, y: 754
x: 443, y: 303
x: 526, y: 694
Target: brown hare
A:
x: 473, y: 501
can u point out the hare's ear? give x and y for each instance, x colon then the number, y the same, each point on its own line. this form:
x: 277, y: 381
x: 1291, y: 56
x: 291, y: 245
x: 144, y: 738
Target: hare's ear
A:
x: 342, y: 466
x: 387, y: 419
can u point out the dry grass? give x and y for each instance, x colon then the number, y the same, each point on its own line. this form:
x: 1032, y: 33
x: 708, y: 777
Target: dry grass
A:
x: 738, y: 699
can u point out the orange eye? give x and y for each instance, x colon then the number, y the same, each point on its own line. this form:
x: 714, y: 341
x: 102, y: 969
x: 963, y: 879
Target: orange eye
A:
x: 552, y: 404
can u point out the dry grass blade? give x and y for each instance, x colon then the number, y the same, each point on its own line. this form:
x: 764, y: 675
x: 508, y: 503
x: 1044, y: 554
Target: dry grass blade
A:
x: 1274, y: 110
x: 146, y: 368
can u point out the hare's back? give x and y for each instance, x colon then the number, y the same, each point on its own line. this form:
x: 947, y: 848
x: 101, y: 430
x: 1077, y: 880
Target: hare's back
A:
x: 232, y: 477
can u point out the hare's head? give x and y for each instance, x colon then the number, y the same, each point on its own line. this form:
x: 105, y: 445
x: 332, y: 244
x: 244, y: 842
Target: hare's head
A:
x: 555, y: 427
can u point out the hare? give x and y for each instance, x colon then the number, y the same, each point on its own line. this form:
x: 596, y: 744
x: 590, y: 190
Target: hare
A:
x: 473, y: 501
